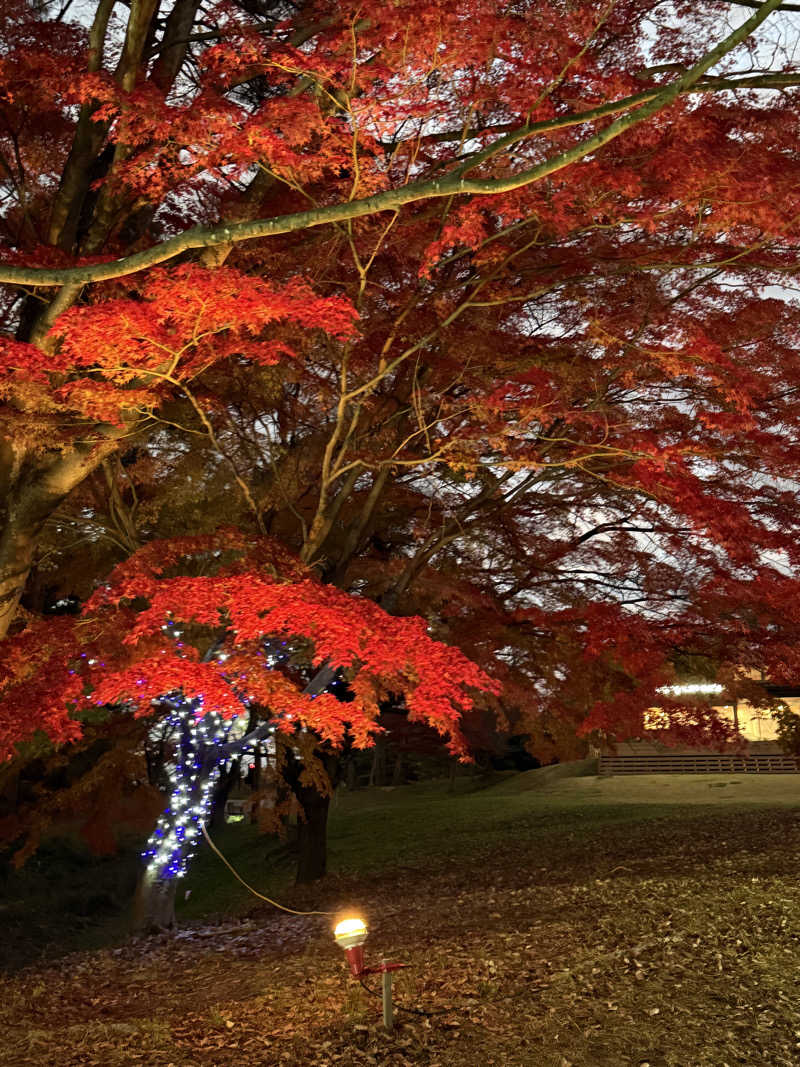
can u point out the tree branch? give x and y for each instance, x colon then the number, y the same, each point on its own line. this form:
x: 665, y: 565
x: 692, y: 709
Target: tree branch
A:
x: 318, y: 684
x: 756, y: 4
x: 455, y: 184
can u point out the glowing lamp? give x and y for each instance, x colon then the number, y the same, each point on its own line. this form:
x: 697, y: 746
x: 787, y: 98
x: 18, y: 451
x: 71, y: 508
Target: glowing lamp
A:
x: 350, y: 935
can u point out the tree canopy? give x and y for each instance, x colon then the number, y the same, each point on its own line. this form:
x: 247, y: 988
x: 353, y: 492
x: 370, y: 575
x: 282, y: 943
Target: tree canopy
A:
x: 484, y: 313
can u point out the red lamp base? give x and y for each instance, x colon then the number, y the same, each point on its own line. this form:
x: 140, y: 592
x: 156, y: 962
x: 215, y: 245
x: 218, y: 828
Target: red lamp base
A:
x: 355, y: 957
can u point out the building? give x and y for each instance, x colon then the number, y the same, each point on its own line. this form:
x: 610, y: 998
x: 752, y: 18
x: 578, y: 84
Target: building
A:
x: 761, y: 754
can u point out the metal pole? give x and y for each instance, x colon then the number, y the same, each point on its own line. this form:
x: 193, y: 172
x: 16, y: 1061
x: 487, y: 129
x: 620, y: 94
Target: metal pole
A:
x: 388, y: 1014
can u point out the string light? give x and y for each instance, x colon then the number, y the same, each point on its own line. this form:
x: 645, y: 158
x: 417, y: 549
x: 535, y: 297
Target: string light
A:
x: 194, y: 771
x: 192, y: 777
x: 689, y: 689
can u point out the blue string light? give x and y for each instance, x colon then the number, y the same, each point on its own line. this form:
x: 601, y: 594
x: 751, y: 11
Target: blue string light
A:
x: 195, y: 769
x: 171, y: 845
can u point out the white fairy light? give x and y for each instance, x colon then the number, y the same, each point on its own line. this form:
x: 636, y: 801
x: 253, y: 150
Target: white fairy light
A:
x: 692, y: 689
x: 198, y: 733
x: 169, y: 848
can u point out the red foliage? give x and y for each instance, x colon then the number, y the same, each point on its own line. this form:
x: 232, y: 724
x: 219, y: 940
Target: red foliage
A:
x: 128, y: 352
x: 621, y: 333
x: 120, y: 654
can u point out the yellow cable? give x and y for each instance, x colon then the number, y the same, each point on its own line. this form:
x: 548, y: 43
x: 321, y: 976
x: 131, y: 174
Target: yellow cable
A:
x: 260, y: 896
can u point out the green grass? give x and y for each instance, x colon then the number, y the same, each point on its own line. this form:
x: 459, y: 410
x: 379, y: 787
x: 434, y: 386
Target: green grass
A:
x: 65, y: 899
x: 416, y: 825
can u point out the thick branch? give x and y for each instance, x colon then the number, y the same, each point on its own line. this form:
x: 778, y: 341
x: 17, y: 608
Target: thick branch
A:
x: 30, y: 499
x: 318, y: 684
x: 755, y: 4
x: 577, y: 118
x: 175, y: 43
x: 89, y: 136
x: 454, y: 184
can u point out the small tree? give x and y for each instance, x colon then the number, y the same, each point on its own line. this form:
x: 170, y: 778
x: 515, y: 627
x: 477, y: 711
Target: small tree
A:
x: 205, y: 651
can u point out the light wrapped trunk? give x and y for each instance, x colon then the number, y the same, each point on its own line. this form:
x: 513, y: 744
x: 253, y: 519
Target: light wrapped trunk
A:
x: 154, y: 903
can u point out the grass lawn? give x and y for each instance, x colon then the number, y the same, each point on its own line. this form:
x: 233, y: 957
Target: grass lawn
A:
x: 573, y: 922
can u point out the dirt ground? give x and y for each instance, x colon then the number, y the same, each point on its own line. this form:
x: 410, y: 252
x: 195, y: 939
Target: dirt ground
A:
x: 671, y: 941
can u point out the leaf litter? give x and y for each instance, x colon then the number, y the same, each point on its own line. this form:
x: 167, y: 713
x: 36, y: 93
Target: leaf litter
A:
x: 673, y: 942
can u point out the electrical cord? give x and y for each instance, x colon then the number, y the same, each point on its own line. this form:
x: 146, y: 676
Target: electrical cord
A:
x: 410, y: 1011
x: 255, y: 893
x: 291, y: 911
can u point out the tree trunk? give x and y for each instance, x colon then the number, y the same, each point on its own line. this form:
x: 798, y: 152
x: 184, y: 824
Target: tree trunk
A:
x: 377, y: 773
x: 154, y: 904
x: 222, y: 790
x: 31, y: 491
x: 312, y: 836
x: 312, y: 819
x: 16, y: 555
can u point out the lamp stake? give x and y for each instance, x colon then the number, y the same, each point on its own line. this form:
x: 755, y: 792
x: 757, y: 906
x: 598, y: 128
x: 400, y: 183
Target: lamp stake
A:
x: 388, y: 1012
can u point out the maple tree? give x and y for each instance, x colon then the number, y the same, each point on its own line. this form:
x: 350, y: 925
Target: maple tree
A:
x: 491, y: 322
x: 228, y: 111
x: 202, y: 649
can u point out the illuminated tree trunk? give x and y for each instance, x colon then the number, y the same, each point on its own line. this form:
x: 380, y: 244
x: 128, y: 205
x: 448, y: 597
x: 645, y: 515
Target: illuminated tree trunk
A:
x: 32, y: 487
x: 192, y: 777
x: 16, y: 555
x: 154, y: 903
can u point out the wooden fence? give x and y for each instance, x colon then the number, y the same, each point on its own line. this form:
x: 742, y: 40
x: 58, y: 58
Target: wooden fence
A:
x: 700, y: 763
